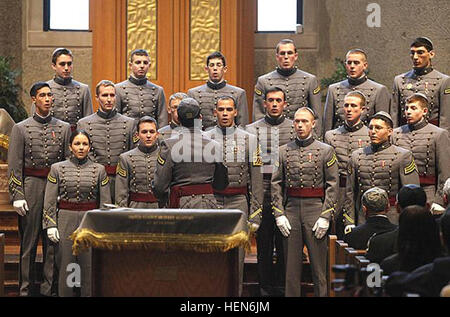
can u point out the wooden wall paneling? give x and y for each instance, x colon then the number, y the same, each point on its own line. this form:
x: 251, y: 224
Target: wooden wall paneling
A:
x: 165, y: 46
x: 178, y: 45
x: 108, y: 42
x: 110, y: 52
x: 247, y: 23
x: 238, y: 27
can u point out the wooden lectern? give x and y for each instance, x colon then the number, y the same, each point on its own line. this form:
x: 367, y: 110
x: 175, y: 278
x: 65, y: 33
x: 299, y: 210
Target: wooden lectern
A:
x: 164, y: 252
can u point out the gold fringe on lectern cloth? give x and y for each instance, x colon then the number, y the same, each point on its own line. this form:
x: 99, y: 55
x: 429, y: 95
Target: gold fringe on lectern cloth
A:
x: 85, y: 238
x: 4, y: 141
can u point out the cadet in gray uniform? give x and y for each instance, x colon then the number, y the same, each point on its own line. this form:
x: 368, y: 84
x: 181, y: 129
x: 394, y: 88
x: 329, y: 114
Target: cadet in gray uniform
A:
x: 429, y: 146
x: 137, y: 96
x: 377, y: 96
x: 304, y: 195
x: 423, y: 78
x: 111, y: 133
x: 216, y: 86
x: 380, y: 164
x: 174, y: 100
x: 35, y: 144
x: 352, y: 135
x: 272, y: 131
x: 71, y: 99
x: 73, y: 187
x: 242, y: 157
x: 136, y: 169
x: 189, y: 164
x: 301, y: 88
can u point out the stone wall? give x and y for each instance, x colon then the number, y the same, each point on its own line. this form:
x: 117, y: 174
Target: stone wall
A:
x: 341, y: 25
x: 22, y: 39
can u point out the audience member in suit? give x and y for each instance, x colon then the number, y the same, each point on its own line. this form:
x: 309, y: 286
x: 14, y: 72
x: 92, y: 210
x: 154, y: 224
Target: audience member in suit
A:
x: 382, y: 245
x: 418, y: 241
x: 427, y: 280
x: 375, y: 204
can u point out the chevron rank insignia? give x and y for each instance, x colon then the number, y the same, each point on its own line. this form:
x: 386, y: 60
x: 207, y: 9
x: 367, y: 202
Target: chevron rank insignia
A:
x: 410, y: 168
x: 161, y: 160
x: 316, y: 91
x: 447, y: 91
x: 135, y: 139
x: 258, y: 92
x: 332, y: 161
x: 13, y: 179
x: 51, y: 179
x: 120, y: 171
x: 105, y: 181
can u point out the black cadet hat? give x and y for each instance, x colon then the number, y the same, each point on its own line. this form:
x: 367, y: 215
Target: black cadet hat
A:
x: 188, y: 109
x: 383, y: 116
x: 411, y: 194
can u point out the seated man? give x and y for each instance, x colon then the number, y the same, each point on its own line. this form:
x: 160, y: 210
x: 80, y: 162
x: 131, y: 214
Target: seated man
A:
x: 375, y: 204
x: 380, y: 246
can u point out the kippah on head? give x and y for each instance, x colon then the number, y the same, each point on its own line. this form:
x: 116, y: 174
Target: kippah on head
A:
x: 411, y: 194
x: 418, y: 96
x: 386, y: 117
x: 307, y: 109
x: 423, y: 41
x: 188, y: 109
x: 375, y: 199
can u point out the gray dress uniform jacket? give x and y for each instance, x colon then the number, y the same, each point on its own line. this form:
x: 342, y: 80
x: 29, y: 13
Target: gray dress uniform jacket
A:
x: 345, y: 140
x: 111, y: 135
x: 207, y: 96
x: 271, y: 133
x: 435, y: 85
x: 241, y: 156
x: 136, y: 98
x: 302, y: 89
x: 135, y: 173
x: 35, y: 144
x: 71, y: 100
x: 377, y: 99
x: 429, y: 146
x: 304, y: 188
x: 73, y: 187
x: 187, y: 159
x: 386, y: 166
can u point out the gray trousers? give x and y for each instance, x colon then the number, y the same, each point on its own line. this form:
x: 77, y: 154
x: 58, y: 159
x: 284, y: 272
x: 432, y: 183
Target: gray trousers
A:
x: 112, y: 187
x: 302, y: 214
x: 68, y: 222
x: 236, y: 202
x: 30, y: 229
x: 271, y: 276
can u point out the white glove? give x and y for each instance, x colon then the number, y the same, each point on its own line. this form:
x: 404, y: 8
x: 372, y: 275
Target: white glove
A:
x: 254, y: 227
x: 321, y: 227
x: 284, y: 225
x: 53, y: 234
x: 348, y: 228
x: 437, y: 209
x: 21, y: 207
